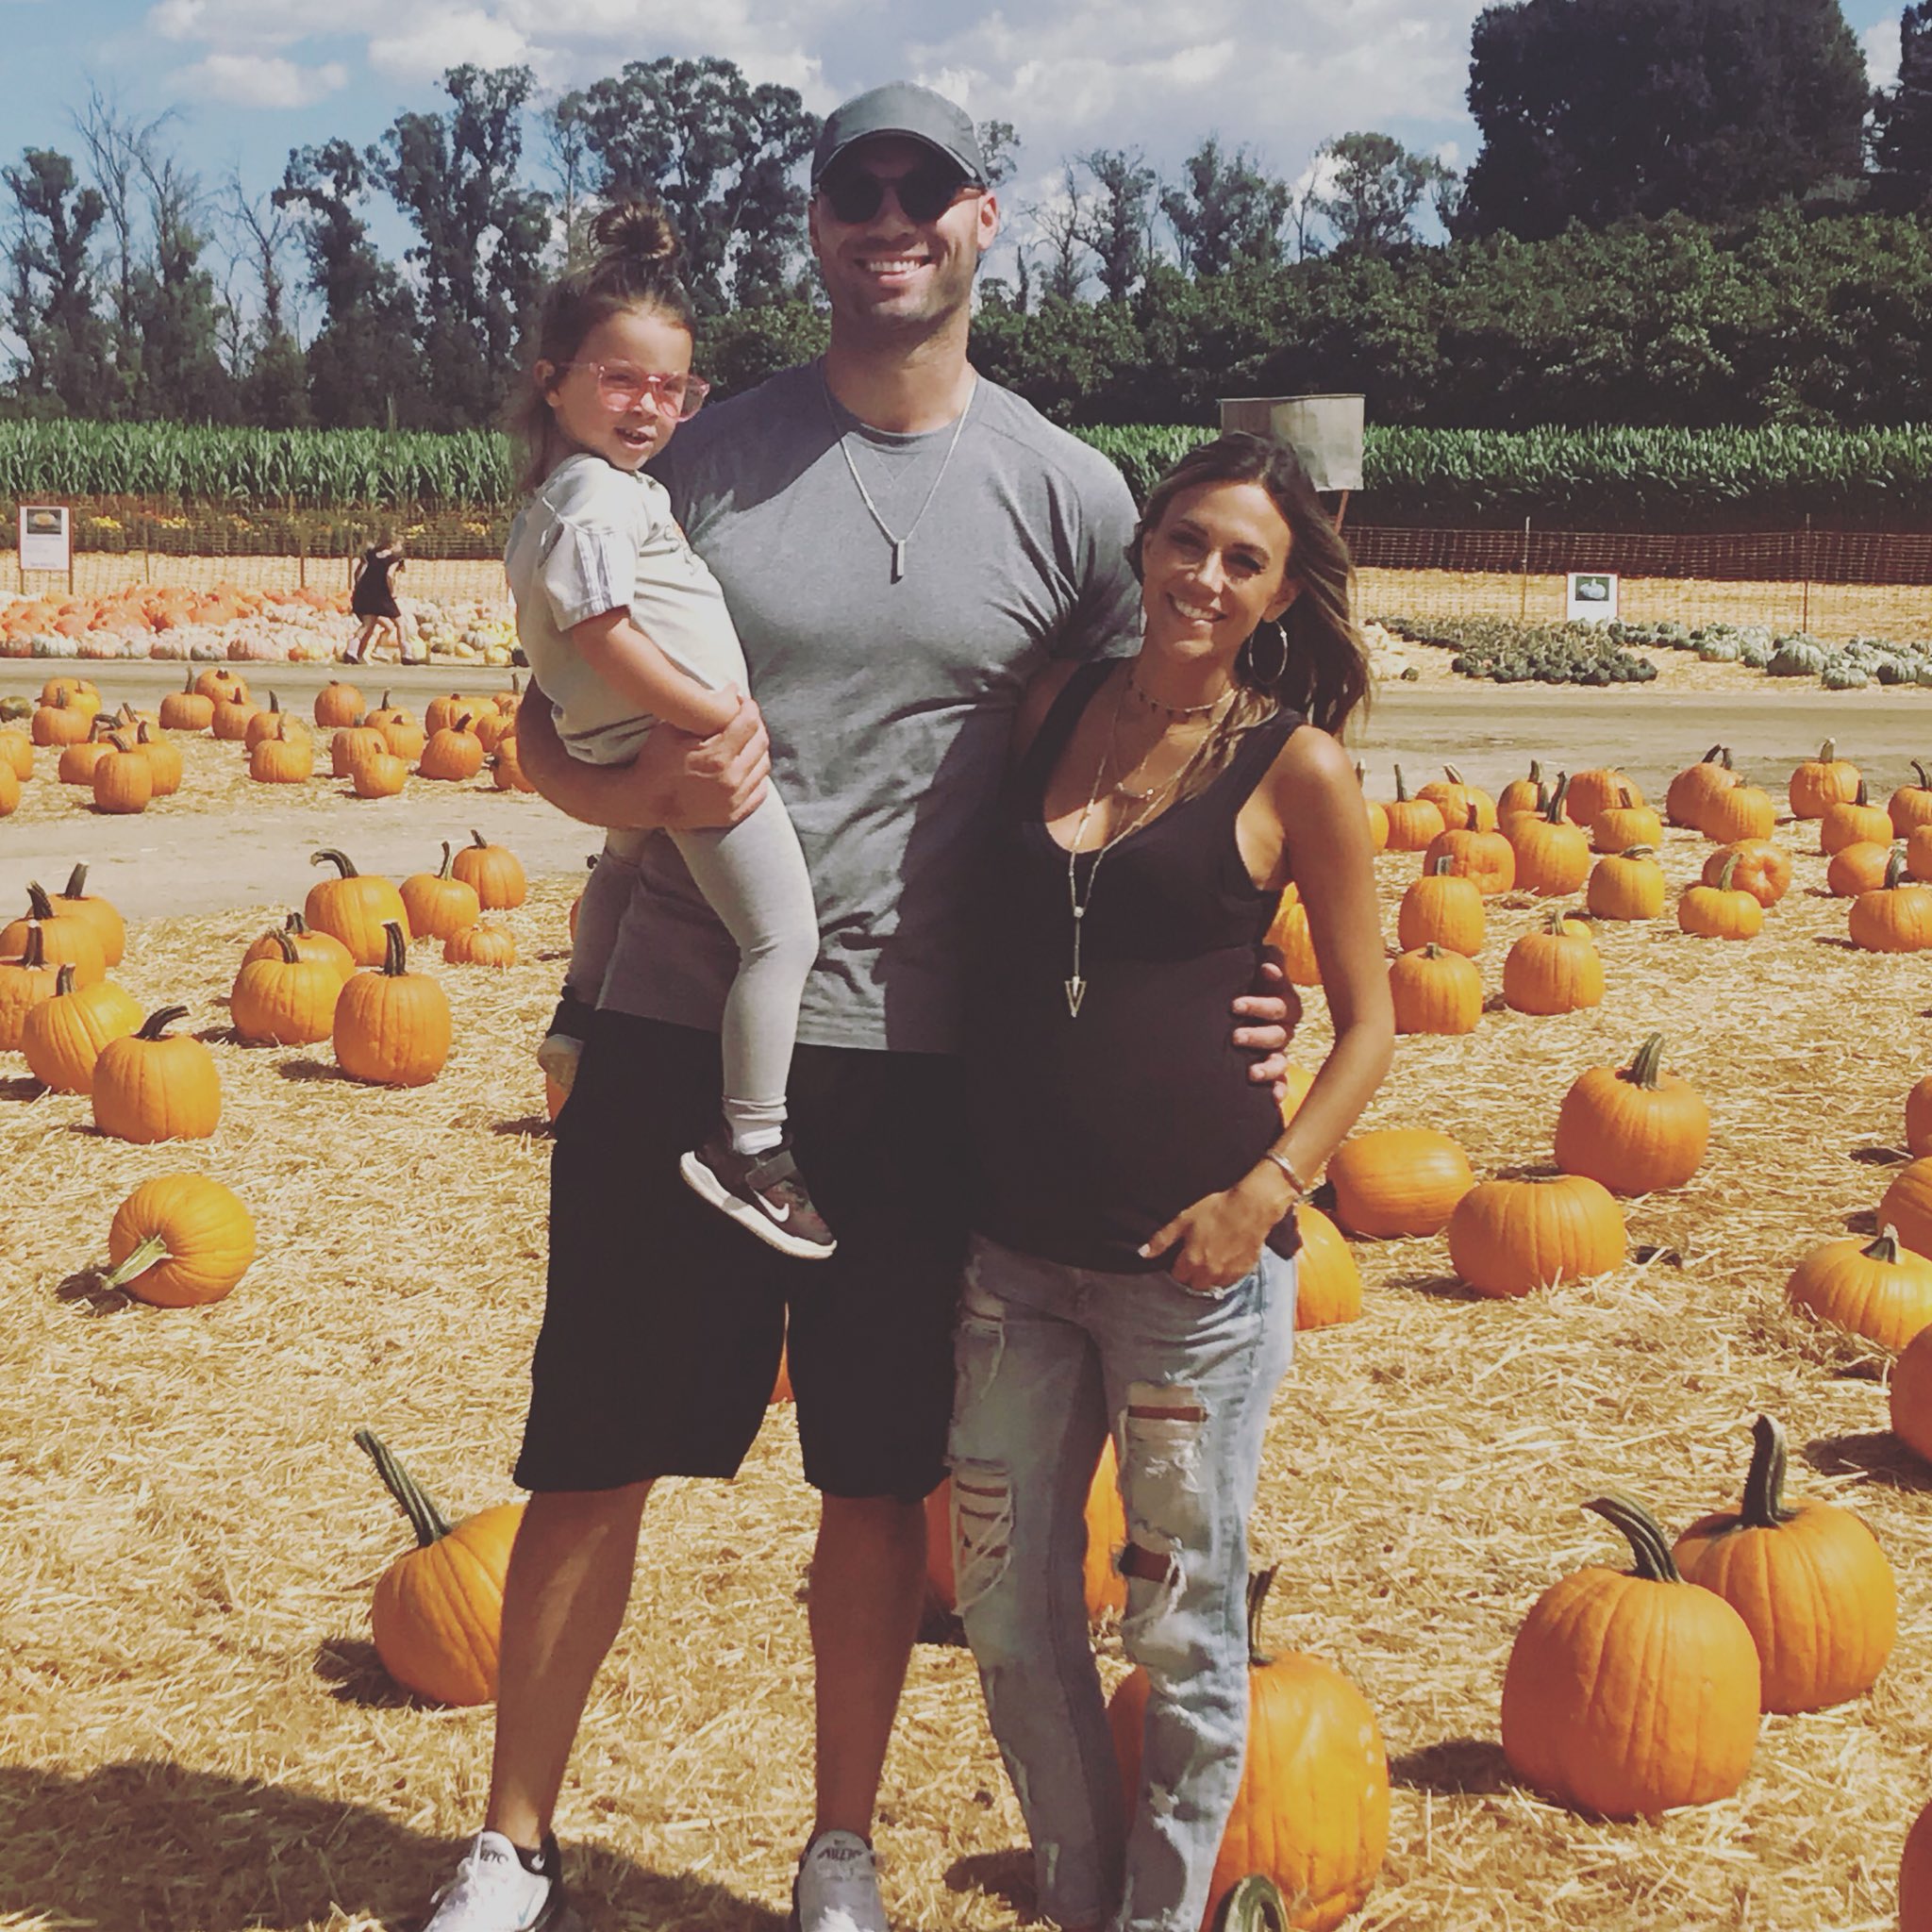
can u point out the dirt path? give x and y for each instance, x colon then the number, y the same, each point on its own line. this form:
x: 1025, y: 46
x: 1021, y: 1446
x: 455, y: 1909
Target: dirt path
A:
x: 257, y: 852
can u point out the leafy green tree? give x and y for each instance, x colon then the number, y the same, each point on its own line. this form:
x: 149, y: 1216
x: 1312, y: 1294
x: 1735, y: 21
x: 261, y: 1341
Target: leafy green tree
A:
x: 364, y: 367
x: 725, y: 157
x: 1225, y: 210
x: 481, y: 235
x: 1596, y: 110
x: 1374, y: 187
x: 999, y: 148
x: 1118, y: 219
x: 179, y: 376
x: 1902, y: 119
x: 51, y: 293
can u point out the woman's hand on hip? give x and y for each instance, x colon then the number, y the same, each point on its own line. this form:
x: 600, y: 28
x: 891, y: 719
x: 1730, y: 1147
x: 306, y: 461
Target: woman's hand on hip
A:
x: 1214, y: 1244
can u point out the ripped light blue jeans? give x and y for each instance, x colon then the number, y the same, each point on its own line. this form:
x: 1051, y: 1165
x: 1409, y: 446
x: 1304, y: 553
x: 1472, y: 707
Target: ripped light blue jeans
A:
x: 1051, y: 1359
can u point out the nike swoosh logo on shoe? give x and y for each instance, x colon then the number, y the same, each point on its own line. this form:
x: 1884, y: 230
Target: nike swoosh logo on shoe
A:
x: 783, y: 1213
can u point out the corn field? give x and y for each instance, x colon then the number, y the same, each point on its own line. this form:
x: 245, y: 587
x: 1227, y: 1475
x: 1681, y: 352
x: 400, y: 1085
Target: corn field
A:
x: 1606, y: 479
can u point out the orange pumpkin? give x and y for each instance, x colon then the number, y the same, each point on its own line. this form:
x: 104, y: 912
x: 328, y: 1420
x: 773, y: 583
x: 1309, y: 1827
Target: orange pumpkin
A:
x: 392, y: 1026
x: 285, y: 1000
x: 1552, y: 854
x: 1878, y: 1289
x: 1398, y: 1181
x: 1910, y: 806
x: 62, y: 1035
x: 337, y: 705
x: 1637, y: 1129
x: 1857, y: 868
x: 1810, y: 1583
x: 1592, y: 792
x: 437, y: 1615
x: 308, y: 945
x: 1626, y: 1694
x: 1486, y: 857
x: 480, y: 944
x: 1413, y: 823
x: 1550, y: 969
x: 1915, y: 1876
x: 1896, y: 915
x: 1910, y: 1395
x: 355, y: 908
x: 1312, y: 1810
x: 454, y: 753
x: 1327, y: 1283
x: 1442, y: 909
x: 1627, y: 885
x: 164, y: 760
x: 1741, y: 811
x: 188, y: 710
x: 1721, y: 912
x: 494, y: 871
x: 1824, y: 781
x: 1435, y: 992
x: 153, y: 1086
x: 1457, y: 799
x: 69, y: 938
x: 1855, y: 821
x: 25, y: 981
x: 1507, y: 1238
x: 124, y: 780
x: 180, y: 1240
x: 1763, y: 869
x: 73, y: 900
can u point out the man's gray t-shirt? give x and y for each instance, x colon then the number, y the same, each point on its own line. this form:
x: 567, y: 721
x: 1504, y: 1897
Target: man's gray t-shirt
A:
x: 890, y: 705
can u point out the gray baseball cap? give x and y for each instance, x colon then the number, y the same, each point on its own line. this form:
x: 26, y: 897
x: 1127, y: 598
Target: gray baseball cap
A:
x: 901, y: 108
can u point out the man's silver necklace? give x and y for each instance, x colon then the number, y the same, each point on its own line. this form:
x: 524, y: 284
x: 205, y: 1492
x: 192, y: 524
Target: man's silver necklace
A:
x: 897, y: 543
x: 1148, y: 806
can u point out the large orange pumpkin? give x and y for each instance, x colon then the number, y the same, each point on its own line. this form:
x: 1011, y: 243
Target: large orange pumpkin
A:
x: 355, y: 908
x: 1312, y: 1811
x: 1509, y: 1237
x: 1633, y: 1128
x: 437, y: 1615
x: 1810, y: 1583
x: 152, y: 1086
x: 180, y: 1240
x: 392, y: 1026
x: 1881, y: 1290
x: 1627, y: 1693
x: 1397, y: 1181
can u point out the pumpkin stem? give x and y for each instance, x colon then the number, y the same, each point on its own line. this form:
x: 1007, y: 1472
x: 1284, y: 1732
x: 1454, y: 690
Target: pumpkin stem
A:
x: 395, y: 954
x: 152, y: 1249
x: 426, y: 1519
x: 1637, y: 852
x: 1474, y: 819
x: 1827, y: 751
x: 1400, y: 789
x: 1536, y: 773
x: 273, y: 703
x: 444, y: 872
x: 1646, y: 1063
x: 35, y: 952
x: 157, y: 1022
x: 1553, y: 811
x: 1260, y: 1583
x: 329, y: 855
x: 1885, y: 1248
x: 1764, y: 1506
x: 1453, y: 777
x: 1256, y: 1904
x: 1728, y: 873
x: 1648, y: 1543
x: 1711, y: 756
x: 64, y: 982
x: 77, y: 882
x: 1727, y: 758
x: 477, y: 838
x: 1864, y: 796
x: 1431, y: 951
x: 1894, y: 868
x: 287, y: 945
x: 296, y: 924
x: 39, y: 904
x: 1925, y: 782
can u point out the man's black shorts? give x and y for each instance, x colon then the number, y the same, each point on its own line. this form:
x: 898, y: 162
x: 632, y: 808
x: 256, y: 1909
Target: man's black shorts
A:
x: 664, y: 1320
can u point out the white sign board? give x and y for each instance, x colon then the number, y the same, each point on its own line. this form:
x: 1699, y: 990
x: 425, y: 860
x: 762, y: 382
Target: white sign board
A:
x: 45, y: 537
x: 1592, y: 597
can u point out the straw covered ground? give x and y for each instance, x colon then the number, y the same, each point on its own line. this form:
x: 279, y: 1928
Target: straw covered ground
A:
x: 195, y: 1735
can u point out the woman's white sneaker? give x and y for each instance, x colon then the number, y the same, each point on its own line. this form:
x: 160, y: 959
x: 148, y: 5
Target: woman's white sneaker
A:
x: 494, y: 1891
x: 837, y: 1889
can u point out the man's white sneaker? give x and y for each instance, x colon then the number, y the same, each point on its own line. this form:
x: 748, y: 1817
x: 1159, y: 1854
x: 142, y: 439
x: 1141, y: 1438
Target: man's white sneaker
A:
x: 493, y: 1892
x: 837, y: 1889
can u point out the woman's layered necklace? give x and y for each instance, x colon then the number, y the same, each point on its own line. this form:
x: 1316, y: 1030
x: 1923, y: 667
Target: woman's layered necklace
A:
x: 1147, y: 805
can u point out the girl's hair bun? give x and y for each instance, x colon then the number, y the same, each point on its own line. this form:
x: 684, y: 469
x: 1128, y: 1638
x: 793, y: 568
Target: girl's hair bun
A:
x: 637, y: 231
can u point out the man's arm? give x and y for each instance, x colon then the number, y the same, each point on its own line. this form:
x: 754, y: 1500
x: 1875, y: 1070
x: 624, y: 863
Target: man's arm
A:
x: 675, y: 782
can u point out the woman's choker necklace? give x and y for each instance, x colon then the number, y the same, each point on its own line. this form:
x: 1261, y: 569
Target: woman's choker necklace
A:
x: 1173, y: 711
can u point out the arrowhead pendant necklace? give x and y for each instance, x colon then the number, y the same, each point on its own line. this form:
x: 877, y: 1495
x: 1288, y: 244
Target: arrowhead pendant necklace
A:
x: 1148, y: 806
x: 898, y: 543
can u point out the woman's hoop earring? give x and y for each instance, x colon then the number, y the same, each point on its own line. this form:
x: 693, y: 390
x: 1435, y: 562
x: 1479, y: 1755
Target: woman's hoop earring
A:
x: 1280, y: 670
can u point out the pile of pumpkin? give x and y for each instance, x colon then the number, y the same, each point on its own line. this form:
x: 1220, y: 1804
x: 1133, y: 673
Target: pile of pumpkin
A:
x: 125, y: 622
x: 1594, y: 833
x: 127, y: 759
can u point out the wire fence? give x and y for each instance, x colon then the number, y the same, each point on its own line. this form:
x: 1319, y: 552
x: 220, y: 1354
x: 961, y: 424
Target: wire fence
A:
x: 1833, y: 584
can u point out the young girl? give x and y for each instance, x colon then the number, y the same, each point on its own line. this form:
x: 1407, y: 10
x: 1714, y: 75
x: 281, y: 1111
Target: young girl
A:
x: 1132, y: 1269
x: 624, y: 628
x: 372, y: 598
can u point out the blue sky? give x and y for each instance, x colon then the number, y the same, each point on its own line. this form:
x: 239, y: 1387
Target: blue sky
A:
x: 249, y: 80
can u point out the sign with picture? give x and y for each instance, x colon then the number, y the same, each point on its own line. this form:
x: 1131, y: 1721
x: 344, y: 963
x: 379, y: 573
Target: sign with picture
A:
x: 46, y: 537
x: 1592, y: 597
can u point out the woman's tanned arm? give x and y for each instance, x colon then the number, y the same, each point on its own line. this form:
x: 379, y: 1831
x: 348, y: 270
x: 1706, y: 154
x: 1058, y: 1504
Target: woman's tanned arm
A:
x: 675, y: 782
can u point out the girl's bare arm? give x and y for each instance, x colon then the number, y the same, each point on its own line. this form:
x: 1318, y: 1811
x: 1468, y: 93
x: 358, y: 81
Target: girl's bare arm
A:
x: 627, y: 660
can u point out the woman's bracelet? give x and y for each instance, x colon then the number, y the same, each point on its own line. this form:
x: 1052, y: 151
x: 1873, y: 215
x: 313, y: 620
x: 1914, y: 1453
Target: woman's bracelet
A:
x: 1287, y: 1166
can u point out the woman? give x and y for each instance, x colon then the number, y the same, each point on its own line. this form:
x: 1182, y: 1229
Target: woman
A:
x: 1133, y: 1265
x: 372, y: 598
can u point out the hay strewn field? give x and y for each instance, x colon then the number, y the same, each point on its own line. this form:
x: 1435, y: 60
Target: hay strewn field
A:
x: 196, y: 1736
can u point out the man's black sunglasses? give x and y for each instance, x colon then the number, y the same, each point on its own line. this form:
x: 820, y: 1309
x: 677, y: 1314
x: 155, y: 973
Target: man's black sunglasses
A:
x: 923, y: 195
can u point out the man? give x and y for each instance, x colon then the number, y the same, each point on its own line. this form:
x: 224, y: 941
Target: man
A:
x: 902, y: 544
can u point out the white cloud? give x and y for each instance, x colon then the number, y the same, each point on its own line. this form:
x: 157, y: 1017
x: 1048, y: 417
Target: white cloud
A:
x: 1880, y: 42
x: 425, y: 41
x: 260, y: 80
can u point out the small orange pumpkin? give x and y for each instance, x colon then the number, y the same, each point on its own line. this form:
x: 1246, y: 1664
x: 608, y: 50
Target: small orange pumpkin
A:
x: 153, y: 1086
x: 180, y: 1240
x: 1637, y: 1129
x: 1509, y: 1237
x: 480, y: 944
x: 1435, y: 992
x: 1392, y: 1182
x: 1878, y: 1289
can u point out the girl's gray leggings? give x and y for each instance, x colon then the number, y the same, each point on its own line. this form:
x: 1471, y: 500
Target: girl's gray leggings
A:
x: 753, y: 876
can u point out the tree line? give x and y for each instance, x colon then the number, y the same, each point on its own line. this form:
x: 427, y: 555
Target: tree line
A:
x: 1681, y: 212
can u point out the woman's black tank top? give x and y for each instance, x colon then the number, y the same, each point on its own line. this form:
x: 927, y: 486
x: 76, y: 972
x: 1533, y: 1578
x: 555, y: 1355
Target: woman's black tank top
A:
x: 1094, y: 1129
